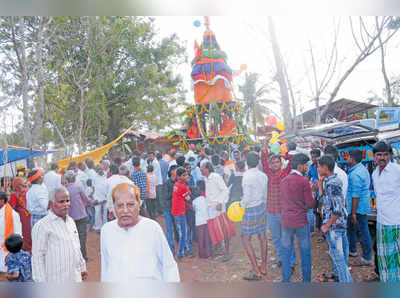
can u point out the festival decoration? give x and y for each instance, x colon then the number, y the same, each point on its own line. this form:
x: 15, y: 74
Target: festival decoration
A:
x: 235, y: 212
x: 216, y: 117
x: 275, y: 148
x: 283, y: 149
x: 280, y: 124
x: 270, y: 120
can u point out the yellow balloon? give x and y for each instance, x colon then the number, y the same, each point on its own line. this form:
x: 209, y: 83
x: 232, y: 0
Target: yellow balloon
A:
x: 280, y: 125
x: 235, y: 212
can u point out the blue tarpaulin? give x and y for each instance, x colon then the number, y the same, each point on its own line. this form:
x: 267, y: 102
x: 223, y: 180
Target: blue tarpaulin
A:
x: 14, y: 154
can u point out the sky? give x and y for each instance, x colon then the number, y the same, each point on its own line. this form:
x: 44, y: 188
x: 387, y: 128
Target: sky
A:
x: 246, y: 41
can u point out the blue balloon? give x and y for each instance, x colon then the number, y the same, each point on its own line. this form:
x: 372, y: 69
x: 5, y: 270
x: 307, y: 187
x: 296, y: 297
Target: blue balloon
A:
x: 197, y: 23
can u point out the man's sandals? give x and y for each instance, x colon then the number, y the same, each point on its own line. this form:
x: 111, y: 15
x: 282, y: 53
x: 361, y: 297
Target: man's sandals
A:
x: 325, y: 278
x: 252, y: 276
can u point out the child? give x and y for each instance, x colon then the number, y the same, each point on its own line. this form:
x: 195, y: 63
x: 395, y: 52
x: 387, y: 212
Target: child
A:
x: 151, y: 192
x: 180, y: 195
x: 89, y: 191
x: 17, y: 261
x: 235, y: 183
x: 201, y: 215
x: 334, y: 219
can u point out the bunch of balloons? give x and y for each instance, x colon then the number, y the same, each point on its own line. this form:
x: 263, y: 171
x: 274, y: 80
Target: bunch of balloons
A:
x: 272, y: 121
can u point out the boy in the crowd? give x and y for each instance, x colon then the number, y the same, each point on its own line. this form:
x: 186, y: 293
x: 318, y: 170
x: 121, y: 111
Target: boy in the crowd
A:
x: 334, y: 218
x: 200, y: 208
x: 151, y: 192
x: 180, y: 195
x: 18, y: 262
x: 312, y: 175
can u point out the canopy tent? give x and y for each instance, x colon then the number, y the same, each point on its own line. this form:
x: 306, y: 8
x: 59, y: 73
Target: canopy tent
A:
x: 96, y: 154
x: 19, y: 153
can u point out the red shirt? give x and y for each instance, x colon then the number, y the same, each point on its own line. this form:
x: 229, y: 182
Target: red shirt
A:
x: 179, y: 194
x: 274, y: 183
x: 296, y: 200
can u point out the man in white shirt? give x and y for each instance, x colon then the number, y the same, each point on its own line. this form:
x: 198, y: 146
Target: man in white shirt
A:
x: 56, y: 253
x: 91, y: 175
x: 10, y: 223
x: 254, y: 222
x: 118, y: 176
x: 52, y: 179
x: 37, y: 197
x: 217, y: 195
x: 386, y: 179
x: 100, y: 198
x: 134, y: 247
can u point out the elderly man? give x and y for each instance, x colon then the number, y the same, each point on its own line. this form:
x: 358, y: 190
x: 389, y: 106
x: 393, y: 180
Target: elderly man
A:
x: 37, y: 197
x: 118, y: 176
x: 9, y: 224
x: 56, y: 254
x: 52, y: 179
x: 127, y: 251
x: 386, y: 179
x: 217, y: 194
x: 77, y: 211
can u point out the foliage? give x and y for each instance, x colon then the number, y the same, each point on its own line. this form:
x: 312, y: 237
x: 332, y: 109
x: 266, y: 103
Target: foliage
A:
x: 256, y: 105
x: 102, y: 74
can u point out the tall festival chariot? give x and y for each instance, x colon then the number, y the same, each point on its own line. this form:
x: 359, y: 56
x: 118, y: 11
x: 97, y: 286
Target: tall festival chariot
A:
x: 217, y: 115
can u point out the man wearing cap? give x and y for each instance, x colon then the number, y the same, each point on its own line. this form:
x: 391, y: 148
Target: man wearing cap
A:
x: 37, y: 197
x: 77, y: 210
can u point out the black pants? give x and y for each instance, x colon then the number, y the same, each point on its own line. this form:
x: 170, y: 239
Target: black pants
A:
x: 81, y: 226
x: 159, y: 189
x: 151, y: 205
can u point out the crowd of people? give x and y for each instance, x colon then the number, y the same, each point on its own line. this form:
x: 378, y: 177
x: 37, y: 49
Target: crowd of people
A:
x: 45, y: 221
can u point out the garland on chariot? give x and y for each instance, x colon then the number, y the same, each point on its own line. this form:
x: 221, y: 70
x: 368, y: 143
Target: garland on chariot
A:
x: 217, y: 116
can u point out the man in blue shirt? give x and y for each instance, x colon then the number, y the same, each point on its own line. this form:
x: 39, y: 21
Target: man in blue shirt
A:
x: 358, y: 206
x: 312, y: 175
x: 163, y: 166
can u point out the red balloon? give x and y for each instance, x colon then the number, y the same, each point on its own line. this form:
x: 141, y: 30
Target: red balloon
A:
x: 271, y: 120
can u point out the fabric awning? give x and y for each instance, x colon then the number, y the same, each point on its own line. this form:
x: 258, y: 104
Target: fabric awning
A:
x: 19, y: 153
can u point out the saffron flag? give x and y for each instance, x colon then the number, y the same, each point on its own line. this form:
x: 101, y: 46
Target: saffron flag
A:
x: 96, y: 154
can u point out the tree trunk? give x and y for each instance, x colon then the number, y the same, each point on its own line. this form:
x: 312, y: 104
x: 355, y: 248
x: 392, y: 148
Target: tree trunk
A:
x: 81, y: 120
x: 112, y: 126
x: 280, y: 77
x: 384, y: 73
x: 38, y: 122
x: 20, y: 49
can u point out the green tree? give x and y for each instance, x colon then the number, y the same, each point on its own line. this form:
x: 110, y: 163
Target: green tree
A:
x: 111, y: 72
x: 255, y: 102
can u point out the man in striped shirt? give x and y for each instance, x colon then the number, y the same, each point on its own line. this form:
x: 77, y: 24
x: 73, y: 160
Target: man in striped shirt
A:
x: 56, y: 254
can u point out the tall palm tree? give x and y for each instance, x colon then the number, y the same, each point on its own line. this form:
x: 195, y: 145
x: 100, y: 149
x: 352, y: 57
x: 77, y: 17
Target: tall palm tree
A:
x: 256, y: 105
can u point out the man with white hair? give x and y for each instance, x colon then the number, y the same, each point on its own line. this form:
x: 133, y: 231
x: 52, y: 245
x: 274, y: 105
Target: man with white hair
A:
x: 134, y: 247
x: 56, y: 254
x: 118, y: 176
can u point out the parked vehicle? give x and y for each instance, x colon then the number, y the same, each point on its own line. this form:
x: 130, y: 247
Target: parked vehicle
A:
x: 362, y: 135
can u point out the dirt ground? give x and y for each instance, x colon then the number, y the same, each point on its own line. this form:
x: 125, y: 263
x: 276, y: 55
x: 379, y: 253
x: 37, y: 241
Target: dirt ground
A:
x: 196, y: 269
